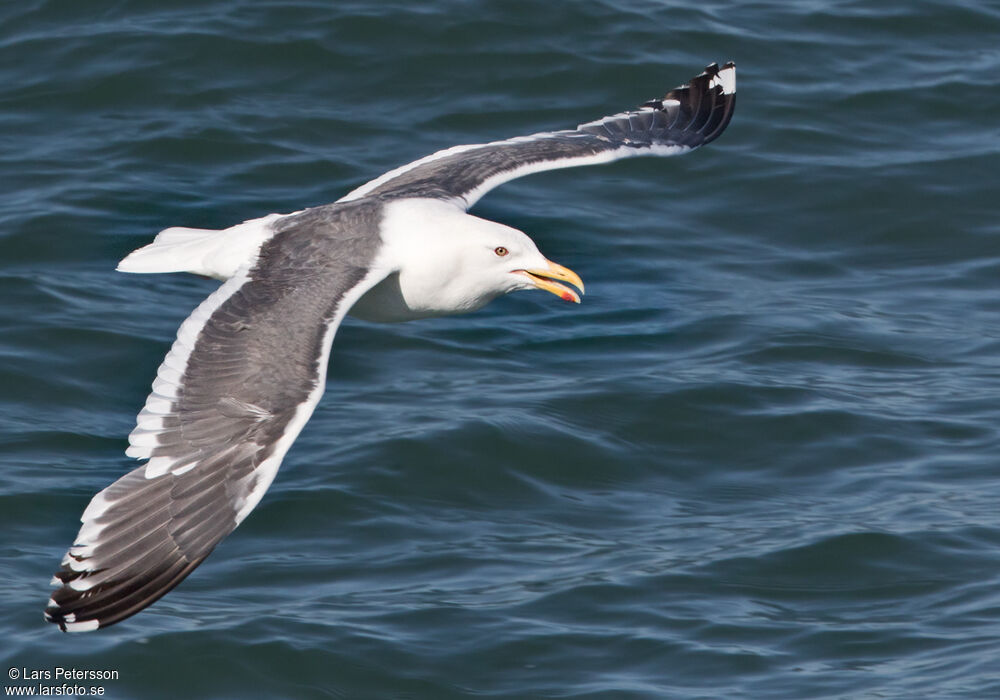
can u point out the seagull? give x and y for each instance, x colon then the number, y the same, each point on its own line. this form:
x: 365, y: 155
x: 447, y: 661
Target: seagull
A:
x: 249, y: 364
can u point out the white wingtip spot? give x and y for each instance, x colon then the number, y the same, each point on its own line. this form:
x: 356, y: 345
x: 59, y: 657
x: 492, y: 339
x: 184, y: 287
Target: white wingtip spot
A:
x: 87, y: 626
x: 56, y: 581
x: 727, y: 79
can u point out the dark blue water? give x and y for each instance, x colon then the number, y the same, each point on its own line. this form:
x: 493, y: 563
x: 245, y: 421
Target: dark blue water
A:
x: 760, y: 460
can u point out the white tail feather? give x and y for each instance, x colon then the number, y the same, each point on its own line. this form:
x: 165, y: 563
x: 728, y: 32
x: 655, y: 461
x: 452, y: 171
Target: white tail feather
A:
x: 208, y: 252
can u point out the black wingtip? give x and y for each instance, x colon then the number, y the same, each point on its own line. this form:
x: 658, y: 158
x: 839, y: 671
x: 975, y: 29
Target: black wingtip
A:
x: 68, y: 622
x: 706, y: 101
x: 105, y: 604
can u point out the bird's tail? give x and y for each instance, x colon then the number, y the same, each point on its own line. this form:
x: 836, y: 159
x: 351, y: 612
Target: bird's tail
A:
x: 208, y: 252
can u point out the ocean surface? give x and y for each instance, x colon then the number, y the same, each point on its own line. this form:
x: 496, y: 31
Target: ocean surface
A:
x: 761, y: 460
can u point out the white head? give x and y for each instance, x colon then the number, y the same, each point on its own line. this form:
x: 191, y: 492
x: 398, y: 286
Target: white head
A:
x: 451, y: 262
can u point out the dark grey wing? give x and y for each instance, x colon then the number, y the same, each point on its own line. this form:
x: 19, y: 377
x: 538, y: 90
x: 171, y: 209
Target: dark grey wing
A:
x: 243, y: 377
x: 685, y: 118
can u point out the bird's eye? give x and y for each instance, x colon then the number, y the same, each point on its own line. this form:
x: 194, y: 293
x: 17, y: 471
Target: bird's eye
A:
x: 500, y: 250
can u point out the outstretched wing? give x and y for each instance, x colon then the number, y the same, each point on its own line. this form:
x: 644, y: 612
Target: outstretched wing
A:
x: 244, y: 375
x: 685, y: 118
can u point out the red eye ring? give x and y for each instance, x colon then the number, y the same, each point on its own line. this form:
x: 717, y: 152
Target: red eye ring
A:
x: 501, y: 251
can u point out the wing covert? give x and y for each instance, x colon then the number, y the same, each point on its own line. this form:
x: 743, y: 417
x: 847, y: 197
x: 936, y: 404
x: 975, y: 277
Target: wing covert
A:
x: 241, y: 380
x: 687, y: 117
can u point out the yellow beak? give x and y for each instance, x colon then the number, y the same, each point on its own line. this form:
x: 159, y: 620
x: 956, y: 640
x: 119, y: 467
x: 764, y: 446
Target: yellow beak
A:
x: 543, y: 279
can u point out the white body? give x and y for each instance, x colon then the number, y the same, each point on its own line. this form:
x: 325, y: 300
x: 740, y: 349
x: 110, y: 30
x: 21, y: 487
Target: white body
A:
x: 438, y: 253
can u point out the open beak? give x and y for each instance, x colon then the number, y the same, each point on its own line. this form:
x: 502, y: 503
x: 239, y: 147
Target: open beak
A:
x: 544, y: 278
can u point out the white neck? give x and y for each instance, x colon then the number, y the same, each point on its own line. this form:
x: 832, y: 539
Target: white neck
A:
x: 424, y: 241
